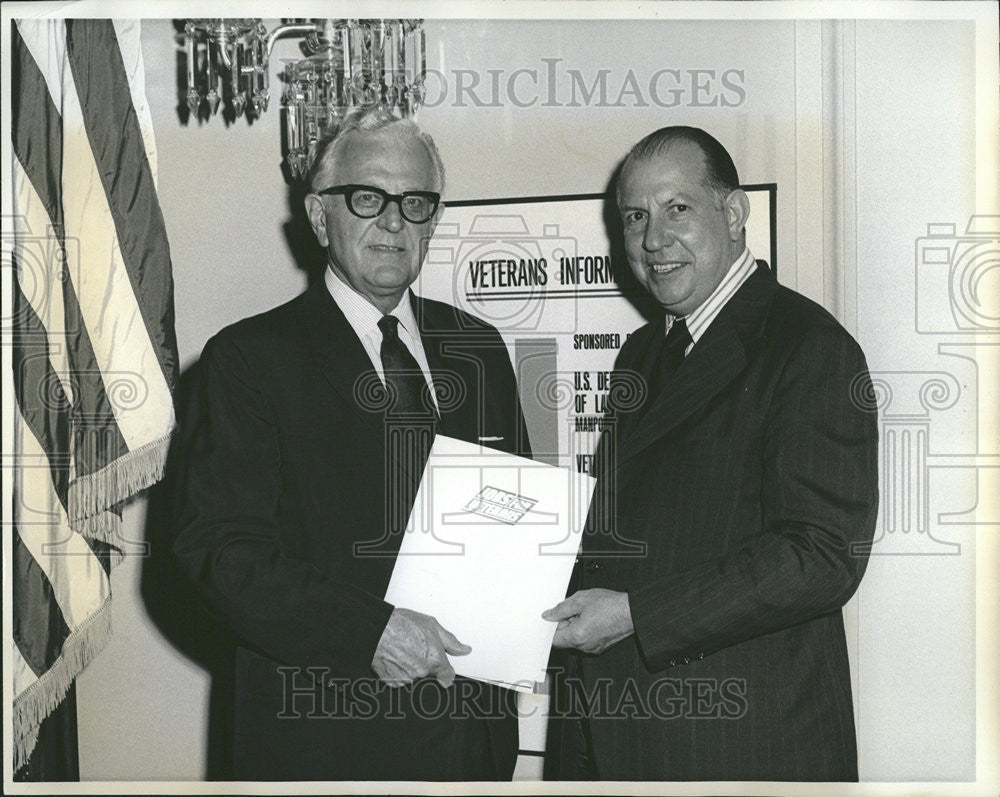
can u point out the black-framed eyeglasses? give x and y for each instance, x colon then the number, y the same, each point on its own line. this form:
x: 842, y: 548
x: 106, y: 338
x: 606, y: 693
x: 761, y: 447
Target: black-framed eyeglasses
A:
x: 367, y: 201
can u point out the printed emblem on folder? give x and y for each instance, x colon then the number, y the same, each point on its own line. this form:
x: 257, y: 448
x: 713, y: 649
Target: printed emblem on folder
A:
x: 497, y: 504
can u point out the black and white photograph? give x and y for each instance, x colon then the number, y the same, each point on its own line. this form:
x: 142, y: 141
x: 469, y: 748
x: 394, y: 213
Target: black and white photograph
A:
x: 570, y: 397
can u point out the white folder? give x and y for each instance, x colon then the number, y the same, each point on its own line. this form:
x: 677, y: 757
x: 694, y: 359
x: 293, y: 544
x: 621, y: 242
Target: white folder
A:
x: 489, y: 546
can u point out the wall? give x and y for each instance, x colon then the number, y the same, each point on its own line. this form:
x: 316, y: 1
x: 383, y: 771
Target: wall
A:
x: 844, y: 117
x: 917, y: 640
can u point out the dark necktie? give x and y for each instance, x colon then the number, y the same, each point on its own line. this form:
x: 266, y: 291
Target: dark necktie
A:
x: 409, y: 426
x: 409, y: 394
x: 669, y: 359
x: 672, y: 353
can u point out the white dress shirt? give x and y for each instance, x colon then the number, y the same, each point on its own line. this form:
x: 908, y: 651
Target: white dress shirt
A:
x: 699, y: 319
x: 363, y: 317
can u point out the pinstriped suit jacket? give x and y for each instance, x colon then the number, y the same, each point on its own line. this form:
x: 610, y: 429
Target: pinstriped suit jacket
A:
x: 735, y: 508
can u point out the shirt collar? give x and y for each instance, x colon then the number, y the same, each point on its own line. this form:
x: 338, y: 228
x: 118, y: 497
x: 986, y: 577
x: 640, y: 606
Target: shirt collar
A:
x: 361, y: 314
x: 699, y: 319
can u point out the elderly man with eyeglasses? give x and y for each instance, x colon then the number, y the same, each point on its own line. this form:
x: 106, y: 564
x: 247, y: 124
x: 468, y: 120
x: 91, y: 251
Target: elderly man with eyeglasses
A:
x: 314, y: 423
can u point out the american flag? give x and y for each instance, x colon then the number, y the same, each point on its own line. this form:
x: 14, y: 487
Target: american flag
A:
x: 94, y: 355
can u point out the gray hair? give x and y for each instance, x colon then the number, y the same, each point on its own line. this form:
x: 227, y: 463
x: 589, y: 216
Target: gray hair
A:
x: 368, y: 120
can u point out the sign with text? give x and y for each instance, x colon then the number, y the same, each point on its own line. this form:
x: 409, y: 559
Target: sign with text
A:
x: 548, y: 274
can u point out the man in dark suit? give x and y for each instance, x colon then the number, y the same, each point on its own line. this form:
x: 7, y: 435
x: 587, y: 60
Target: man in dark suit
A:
x: 315, y: 420
x: 733, y: 509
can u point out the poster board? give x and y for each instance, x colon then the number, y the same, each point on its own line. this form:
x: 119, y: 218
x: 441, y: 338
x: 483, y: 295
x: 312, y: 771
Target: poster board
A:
x: 550, y: 276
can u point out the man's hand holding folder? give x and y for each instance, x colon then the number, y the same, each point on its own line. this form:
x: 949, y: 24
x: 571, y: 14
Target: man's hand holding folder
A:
x: 412, y: 646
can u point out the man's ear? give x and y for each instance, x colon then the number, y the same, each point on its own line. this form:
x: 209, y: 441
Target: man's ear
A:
x: 737, y: 212
x: 316, y: 211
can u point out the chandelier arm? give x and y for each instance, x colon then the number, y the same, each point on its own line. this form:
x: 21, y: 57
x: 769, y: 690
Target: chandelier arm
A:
x: 284, y: 30
x: 223, y: 42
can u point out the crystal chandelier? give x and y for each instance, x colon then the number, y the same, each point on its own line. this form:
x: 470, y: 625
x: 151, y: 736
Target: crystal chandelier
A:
x: 349, y: 63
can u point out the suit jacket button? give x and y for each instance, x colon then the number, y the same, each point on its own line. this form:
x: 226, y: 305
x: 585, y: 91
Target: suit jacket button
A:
x: 687, y: 659
x: 592, y: 566
x: 672, y: 662
x: 701, y: 656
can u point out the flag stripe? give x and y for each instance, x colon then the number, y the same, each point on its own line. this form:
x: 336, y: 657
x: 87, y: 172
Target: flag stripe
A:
x: 97, y: 438
x: 32, y: 111
x: 106, y: 96
x: 93, y: 369
x: 20, y: 669
x: 61, y: 553
x: 47, y: 44
x: 39, y: 391
x: 106, y: 554
x: 39, y: 260
x: 38, y: 267
x: 138, y: 392
x: 127, y: 32
x: 38, y: 627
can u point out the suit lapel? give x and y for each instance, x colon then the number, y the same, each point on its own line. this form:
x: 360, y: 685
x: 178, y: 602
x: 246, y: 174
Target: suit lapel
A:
x: 342, y: 358
x: 631, y: 380
x: 456, y: 420
x: 714, y: 361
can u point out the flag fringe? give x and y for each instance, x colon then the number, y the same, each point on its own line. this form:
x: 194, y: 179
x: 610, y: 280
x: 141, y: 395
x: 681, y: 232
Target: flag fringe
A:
x: 40, y: 699
x: 106, y: 527
x: 115, y: 482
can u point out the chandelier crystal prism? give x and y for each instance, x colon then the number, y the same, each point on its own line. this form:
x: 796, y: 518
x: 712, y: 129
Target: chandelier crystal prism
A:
x: 349, y: 63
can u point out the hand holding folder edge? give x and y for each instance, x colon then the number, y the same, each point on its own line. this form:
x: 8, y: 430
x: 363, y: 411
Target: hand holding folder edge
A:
x: 490, y: 544
x: 414, y: 645
x: 591, y: 620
